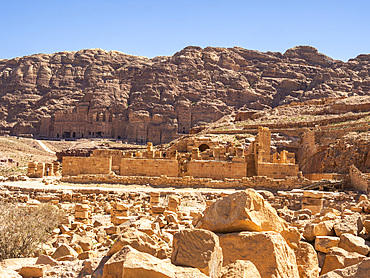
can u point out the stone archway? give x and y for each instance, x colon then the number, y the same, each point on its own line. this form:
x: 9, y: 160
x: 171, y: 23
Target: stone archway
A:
x: 203, y: 147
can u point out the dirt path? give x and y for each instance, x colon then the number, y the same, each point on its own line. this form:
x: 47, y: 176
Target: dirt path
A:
x: 44, y: 147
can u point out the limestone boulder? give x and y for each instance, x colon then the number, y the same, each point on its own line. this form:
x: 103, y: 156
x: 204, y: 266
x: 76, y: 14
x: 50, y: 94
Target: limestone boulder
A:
x: 46, y: 260
x: 136, y: 239
x: 63, y: 251
x: 241, y: 211
x: 32, y: 271
x: 307, y: 261
x: 85, y: 243
x: 130, y: 263
x: 197, y: 248
x: 324, y: 228
x: 324, y: 243
x: 240, y: 269
x: 245, y: 211
x: 360, y: 270
x: 268, y: 251
x: 349, y: 224
x: 352, y: 243
x: 338, y: 258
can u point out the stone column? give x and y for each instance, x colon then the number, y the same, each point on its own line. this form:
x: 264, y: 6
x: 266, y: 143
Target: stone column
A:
x: 283, y: 157
x: 40, y: 170
x: 173, y: 203
x: 32, y: 166
x: 216, y: 153
x: 56, y: 166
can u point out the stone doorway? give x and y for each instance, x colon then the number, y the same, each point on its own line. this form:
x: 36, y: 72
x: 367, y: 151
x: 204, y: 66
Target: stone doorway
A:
x: 203, y: 147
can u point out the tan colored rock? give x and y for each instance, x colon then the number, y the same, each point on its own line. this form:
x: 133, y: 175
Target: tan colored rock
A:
x: 367, y: 225
x: 324, y: 228
x: 349, y: 224
x: 307, y: 261
x: 360, y: 270
x: 32, y: 271
x: 130, y: 263
x: 197, y: 248
x: 245, y: 211
x: 46, y: 260
x: 338, y: 258
x: 324, y: 243
x: 240, y: 269
x: 352, y: 243
x: 85, y: 243
x: 268, y: 251
x: 64, y: 250
x: 241, y: 211
x: 136, y: 239
x: 87, y: 255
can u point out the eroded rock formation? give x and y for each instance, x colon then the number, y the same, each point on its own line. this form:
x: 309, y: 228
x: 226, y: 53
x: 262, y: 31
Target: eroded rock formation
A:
x: 96, y: 93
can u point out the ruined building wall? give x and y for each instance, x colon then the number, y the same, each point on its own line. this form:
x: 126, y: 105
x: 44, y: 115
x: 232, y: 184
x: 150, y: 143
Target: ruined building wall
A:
x: 277, y: 171
x: 216, y: 169
x: 115, y: 155
x: 358, y: 180
x: 73, y: 166
x: 149, y: 167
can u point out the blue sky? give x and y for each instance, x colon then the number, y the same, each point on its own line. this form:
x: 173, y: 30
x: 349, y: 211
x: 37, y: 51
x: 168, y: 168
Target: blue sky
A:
x: 339, y: 29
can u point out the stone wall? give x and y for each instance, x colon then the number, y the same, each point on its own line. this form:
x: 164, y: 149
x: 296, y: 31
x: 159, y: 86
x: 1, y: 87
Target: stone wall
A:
x: 324, y: 176
x: 217, y: 169
x: 358, y: 180
x: 73, y: 166
x: 191, y: 182
x: 116, y: 156
x: 149, y: 167
x: 277, y: 171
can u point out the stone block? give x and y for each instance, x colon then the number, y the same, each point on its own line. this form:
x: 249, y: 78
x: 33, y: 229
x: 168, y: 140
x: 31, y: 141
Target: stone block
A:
x: 338, y: 258
x: 32, y: 271
x: 240, y: 269
x: 324, y: 243
x: 268, y: 251
x: 307, y: 261
x: 81, y: 214
x: 352, y: 243
x: 197, y: 248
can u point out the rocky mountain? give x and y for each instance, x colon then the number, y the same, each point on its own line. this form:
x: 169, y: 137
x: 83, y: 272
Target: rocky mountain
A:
x: 165, y: 95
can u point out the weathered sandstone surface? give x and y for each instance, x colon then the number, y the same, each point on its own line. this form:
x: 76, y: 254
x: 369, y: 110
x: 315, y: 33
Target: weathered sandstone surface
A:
x: 151, y: 233
x: 141, y: 99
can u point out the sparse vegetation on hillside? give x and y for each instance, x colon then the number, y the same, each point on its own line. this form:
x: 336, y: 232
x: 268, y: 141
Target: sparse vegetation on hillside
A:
x: 24, y: 229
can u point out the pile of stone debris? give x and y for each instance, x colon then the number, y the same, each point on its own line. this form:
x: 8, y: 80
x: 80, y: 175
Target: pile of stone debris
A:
x: 238, y: 235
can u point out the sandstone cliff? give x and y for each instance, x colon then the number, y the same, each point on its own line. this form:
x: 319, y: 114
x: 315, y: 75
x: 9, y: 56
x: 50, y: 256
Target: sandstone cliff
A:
x: 143, y: 99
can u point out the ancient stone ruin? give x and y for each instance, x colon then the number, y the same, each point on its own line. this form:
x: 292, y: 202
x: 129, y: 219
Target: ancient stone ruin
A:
x: 202, y: 162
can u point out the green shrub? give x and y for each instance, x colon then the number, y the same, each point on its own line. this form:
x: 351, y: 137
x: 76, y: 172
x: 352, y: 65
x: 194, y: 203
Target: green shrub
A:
x: 24, y: 228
